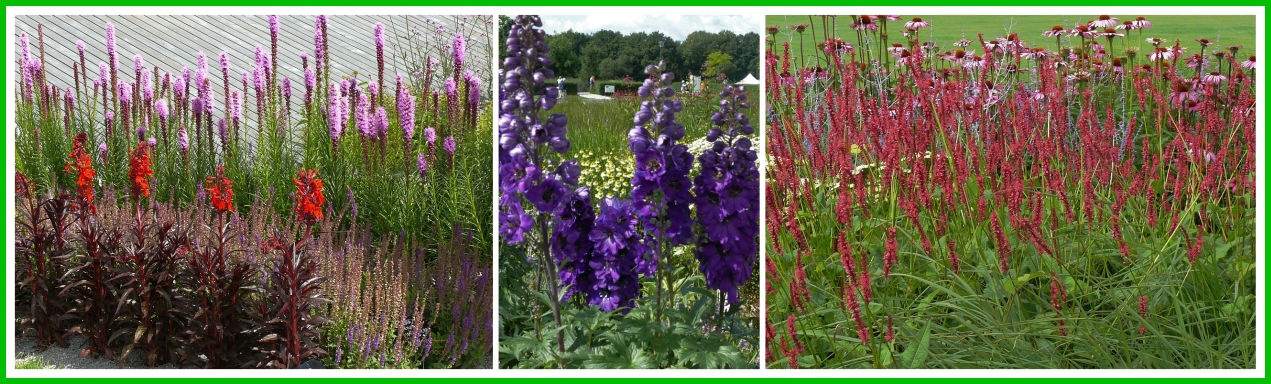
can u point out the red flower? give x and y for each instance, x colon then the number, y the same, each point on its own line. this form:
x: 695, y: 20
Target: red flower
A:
x: 139, y: 171
x: 309, y: 199
x: 220, y: 191
x: 24, y: 186
x: 82, y: 165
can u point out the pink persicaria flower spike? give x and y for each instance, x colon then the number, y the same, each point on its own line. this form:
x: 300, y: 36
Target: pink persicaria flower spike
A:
x: 1104, y: 21
x: 1141, y: 23
x: 916, y: 24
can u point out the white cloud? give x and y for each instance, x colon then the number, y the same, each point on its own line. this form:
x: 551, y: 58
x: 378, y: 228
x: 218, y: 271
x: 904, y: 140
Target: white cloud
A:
x: 676, y: 26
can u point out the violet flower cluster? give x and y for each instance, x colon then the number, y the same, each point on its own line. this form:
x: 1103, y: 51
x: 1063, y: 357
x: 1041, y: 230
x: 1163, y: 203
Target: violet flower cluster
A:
x: 661, y: 184
x: 525, y: 136
x: 727, y: 195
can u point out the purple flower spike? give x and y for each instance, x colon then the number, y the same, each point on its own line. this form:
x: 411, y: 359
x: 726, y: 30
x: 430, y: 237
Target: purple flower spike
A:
x: 379, y: 36
x: 405, y: 110
x: 138, y: 64
x: 335, y: 116
x: 362, y: 117
x: 460, y: 51
x: 451, y: 88
x: 381, y: 122
x: 151, y: 142
x: 273, y: 24
x: 161, y: 109
x: 449, y: 145
x: 430, y: 135
x: 141, y: 132
x: 422, y: 164
x: 183, y: 139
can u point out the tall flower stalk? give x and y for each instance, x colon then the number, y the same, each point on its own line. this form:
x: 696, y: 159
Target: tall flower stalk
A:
x: 527, y: 141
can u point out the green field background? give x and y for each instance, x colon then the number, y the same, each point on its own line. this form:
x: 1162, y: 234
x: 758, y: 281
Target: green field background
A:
x: 946, y: 29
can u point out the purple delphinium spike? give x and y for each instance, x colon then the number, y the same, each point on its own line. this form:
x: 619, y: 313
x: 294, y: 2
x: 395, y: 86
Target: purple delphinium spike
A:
x: 524, y: 133
x: 727, y: 190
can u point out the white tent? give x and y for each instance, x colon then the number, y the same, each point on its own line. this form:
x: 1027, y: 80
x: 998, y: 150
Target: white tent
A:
x: 749, y: 80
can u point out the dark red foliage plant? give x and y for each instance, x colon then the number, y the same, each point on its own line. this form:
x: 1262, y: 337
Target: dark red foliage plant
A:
x: 42, y: 226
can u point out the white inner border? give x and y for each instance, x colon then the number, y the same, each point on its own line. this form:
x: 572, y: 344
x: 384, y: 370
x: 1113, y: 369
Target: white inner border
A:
x: 1260, y: 243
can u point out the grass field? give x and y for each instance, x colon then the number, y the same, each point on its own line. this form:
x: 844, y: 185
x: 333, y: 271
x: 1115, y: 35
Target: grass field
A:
x: 945, y: 29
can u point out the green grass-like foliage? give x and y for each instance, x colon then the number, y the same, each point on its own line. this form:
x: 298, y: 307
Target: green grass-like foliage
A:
x: 938, y: 216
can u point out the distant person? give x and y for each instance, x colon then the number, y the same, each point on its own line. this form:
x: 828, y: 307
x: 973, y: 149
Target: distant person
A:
x: 591, y: 85
x: 560, y: 84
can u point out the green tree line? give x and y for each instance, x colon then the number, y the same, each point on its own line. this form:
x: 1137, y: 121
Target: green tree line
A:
x: 610, y: 55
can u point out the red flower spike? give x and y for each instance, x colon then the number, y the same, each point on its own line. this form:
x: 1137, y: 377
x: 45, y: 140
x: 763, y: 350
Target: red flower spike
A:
x: 139, y: 170
x: 220, y: 191
x: 309, y: 198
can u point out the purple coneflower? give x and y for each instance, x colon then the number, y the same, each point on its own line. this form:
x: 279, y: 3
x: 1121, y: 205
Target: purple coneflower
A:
x: 1251, y: 63
x: 916, y: 24
x: 1104, y: 21
x: 1141, y: 23
x: 1214, y: 78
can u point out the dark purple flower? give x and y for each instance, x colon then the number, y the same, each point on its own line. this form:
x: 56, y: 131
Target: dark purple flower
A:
x: 727, y: 199
x: 616, y: 246
x: 406, y: 111
x: 183, y: 139
x: 422, y: 165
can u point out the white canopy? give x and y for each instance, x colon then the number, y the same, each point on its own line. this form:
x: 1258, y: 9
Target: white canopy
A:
x: 749, y: 80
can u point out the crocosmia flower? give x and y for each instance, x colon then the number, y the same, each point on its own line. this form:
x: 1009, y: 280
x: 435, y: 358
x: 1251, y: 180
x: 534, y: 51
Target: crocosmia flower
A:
x: 309, y: 198
x: 220, y: 191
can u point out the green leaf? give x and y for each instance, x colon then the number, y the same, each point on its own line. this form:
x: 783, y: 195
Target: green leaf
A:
x: 915, y: 355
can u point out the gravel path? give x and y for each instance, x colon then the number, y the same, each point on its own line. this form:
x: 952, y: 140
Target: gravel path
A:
x: 68, y: 358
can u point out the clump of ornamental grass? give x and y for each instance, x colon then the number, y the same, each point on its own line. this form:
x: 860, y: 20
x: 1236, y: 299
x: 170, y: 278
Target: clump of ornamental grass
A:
x: 1001, y: 205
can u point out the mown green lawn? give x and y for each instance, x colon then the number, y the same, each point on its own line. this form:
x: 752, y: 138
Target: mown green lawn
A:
x: 945, y: 29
